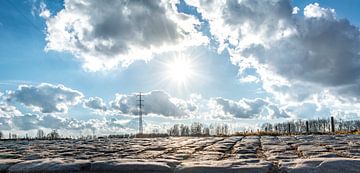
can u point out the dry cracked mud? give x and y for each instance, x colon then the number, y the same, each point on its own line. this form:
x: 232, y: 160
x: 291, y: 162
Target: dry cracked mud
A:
x: 255, y: 154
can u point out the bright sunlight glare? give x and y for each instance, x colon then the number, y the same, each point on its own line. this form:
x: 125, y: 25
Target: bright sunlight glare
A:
x: 180, y: 70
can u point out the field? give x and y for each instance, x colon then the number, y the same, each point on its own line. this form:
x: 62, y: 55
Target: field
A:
x: 260, y: 154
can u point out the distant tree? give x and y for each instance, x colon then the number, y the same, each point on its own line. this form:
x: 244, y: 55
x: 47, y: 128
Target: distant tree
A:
x: 155, y: 131
x: 174, y: 131
x: 315, y: 126
x: 1, y: 135
x: 225, y: 129
x: 93, y: 130
x: 206, y: 131
x: 267, y: 127
x: 89, y: 137
x: 357, y: 125
x: 40, y: 134
x: 212, y: 129
x: 185, y: 130
x: 196, y: 129
x: 218, y: 130
x: 53, y: 135
x: 221, y: 129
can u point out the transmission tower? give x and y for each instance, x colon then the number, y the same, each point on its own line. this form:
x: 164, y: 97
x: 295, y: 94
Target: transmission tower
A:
x: 141, y: 105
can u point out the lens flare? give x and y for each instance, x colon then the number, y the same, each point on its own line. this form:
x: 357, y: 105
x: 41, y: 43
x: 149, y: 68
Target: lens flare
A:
x: 180, y: 70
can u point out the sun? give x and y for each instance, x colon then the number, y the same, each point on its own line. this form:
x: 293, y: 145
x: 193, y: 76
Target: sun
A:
x: 180, y: 70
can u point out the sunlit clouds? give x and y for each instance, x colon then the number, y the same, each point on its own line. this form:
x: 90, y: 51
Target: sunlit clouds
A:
x: 80, y: 64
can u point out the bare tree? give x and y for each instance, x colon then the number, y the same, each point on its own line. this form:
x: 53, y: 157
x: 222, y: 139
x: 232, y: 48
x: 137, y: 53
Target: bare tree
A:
x: 155, y: 131
x: 174, y: 131
x: 196, y: 129
x: 40, y: 134
x: 315, y: 126
x: 185, y: 130
x: 221, y: 129
x: 206, y: 131
x: 53, y: 135
x: 1, y: 135
x: 267, y: 127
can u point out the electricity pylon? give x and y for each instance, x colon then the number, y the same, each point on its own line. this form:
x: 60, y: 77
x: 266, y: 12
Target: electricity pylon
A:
x: 141, y: 105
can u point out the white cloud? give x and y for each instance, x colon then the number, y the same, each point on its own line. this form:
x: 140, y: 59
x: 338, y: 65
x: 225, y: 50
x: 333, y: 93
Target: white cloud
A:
x: 246, y: 22
x: 95, y: 103
x: 295, y: 10
x: 249, y: 79
x: 155, y: 102
x: 31, y: 122
x: 33, y: 7
x: 26, y: 122
x: 245, y: 108
x: 296, y: 58
x: 107, y: 34
x: 46, y: 98
x: 315, y: 11
x: 7, y: 110
x: 44, y: 12
x: 52, y: 99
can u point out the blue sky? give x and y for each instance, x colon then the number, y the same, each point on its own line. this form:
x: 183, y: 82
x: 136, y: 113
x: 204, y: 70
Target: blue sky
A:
x: 33, y: 65
x: 223, y: 79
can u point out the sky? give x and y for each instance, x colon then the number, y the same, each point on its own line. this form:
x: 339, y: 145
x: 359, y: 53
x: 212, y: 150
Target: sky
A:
x: 77, y: 66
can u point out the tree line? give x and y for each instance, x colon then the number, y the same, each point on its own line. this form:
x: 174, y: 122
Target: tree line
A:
x: 53, y: 135
x: 313, y: 126
x: 316, y: 126
x: 198, y: 129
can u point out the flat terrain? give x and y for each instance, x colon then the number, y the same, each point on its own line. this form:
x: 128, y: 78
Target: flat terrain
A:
x: 311, y: 154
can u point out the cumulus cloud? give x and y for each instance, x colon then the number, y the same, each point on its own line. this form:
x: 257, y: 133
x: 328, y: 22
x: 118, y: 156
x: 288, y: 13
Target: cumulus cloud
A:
x: 155, y: 102
x: 26, y: 122
x: 44, y: 12
x: 46, y: 98
x: 30, y: 122
x: 242, y: 23
x: 70, y: 126
x: 315, y: 11
x: 105, y: 34
x: 296, y: 57
x: 246, y: 108
x: 95, y: 103
x: 7, y: 110
x: 295, y: 10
